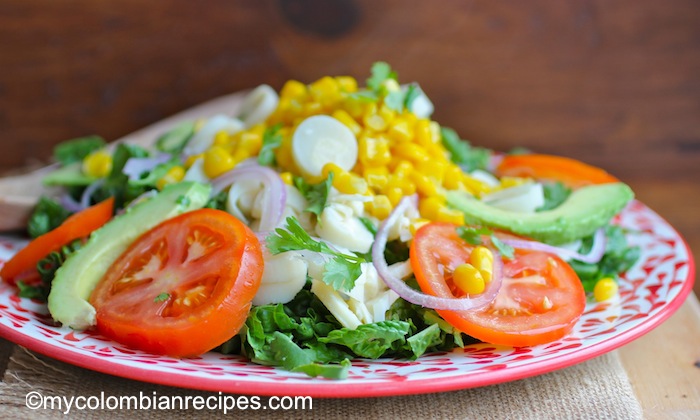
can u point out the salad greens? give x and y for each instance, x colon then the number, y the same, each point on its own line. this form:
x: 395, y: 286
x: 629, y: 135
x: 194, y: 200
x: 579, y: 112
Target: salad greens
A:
x: 462, y: 153
x: 48, y: 214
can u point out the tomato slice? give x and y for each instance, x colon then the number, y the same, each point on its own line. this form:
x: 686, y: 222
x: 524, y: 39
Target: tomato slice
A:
x: 22, y: 266
x: 571, y: 172
x: 540, y: 300
x: 182, y: 288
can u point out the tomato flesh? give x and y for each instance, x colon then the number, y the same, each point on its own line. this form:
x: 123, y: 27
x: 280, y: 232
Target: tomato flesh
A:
x: 182, y: 288
x: 540, y: 299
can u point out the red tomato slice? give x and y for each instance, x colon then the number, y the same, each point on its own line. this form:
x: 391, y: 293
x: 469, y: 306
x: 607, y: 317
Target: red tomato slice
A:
x: 79, y: 225
x: 182, y: 288
x: 540, y: 300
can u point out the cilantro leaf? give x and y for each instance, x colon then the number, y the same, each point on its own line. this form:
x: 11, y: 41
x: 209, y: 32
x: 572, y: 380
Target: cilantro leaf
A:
x: 272, y: 139
x: 340, y: 274
x: 412, y: 93
x: 472, y: 235
x: 364, y: 96
x: 502, y: 247
x: 76, y: 150
x: 554, y: 195
x: 395, y: 100
x: 381, y: 72
x: 462, y: 153
x: 162, y: 297
x: 316, y: 194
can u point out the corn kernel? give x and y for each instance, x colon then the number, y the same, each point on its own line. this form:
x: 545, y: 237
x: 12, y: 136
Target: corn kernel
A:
x: 411, y: 151
x: 283, y: 155
x: 403, y: 169
x: 380, y: 207
x: 430, y: 206
x: 446, y: 214
x: 192, y: 159
x: 311, y: 108
x: 417, y: 224
x: 287, y: 178
x: 435, y: 134
x: 97, y: 164
x: 482, y: 258
x: 468, y: 279
x: 394, y: 194
x: 375, y: 120
x: 474, y: 186
x: 433, y: 169
x: 221, y: 138
x: 421, y: 130
x: 347, y: 84
x: 355, y: 107
x: 347, y: 120
x: 293, y: 89
x: 332, y: 167
x: 174, y: 175
x: 217, y: 161
x: 401, y: 131
x: 373, y: 151
x: 453, y: 177
x: 605, y: 288
x: 402, y: 183
x: 347, y: 183
x: 325, y: 90
x: 250, y: 142
x: 511, y: 181
x: 424, y: 185
x: 376, y: 177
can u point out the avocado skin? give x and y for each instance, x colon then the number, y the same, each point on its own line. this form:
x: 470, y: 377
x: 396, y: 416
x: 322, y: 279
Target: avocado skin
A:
x: 586, y: 210
x: 77, y: 277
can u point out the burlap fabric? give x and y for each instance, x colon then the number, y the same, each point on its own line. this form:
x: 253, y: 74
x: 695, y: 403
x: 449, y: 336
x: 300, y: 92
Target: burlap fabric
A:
x: 598, y: 388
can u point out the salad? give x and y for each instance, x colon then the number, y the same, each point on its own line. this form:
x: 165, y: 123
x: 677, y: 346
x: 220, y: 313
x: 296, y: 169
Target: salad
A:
x: 321, y: 224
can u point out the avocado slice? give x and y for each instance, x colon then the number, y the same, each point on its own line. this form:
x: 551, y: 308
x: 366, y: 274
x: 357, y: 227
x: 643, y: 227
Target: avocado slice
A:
x: 587, y: 209
x: 78, y: 276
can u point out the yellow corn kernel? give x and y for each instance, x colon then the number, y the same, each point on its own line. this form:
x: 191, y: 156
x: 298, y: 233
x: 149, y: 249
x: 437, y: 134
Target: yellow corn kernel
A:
x: 250, y: 142
x: 482, y: 258
x: 221, y: 138
x: 512, y: 181
x: 217, y: 161
x: 311, y: 108
x: 287, y: 178
x: 403, y: 169
x: 421, y: 132
x: 402, y: 183
x: 325, y: 90
x: 446, y: 214
x: 469, y: 279
x: 474, y: 186
x: 376, y: 176
x: 430, y: 206
x: 417, y: 224
x: 97, y: 164
x: 375, y: 120
x: 192, y: 159
x: 347, y: 84
x: 394, y: 194
x: 435, y: 134
x: 293, y: 89
x: 355, y: 107
x: 433, y: 169
x: 424, y: 185
x: 411, y: 151
x: 332, y: 167
x: 380, y: 206
x: 400, y: 131
x: 174, y: 175
x: 605, y: 288
x: 453, y: 177
x: 347, y: 120
x: 347, y: 183
x: 373, y: 150
x: 283, y: 155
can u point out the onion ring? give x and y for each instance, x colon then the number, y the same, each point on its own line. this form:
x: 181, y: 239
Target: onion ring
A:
x: 596, y: 253
x: 416, y: 297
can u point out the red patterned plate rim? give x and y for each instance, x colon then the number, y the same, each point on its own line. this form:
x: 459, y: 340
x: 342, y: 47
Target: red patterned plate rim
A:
x: 650, y: 292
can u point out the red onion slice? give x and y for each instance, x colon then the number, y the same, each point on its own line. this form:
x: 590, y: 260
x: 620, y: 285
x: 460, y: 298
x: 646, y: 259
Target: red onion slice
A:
x: 275, y: 196
x: 89, y: 191
x: 70, y: 204
x: 135, y: 167
x: 596, y: 253
x: 418, y: 298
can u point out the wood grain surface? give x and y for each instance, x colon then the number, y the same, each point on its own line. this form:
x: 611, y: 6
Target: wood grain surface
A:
x: 615, y: 84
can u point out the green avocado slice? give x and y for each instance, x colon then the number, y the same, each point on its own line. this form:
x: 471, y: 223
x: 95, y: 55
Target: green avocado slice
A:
x: 587, y: 209
x: 78, y: 276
